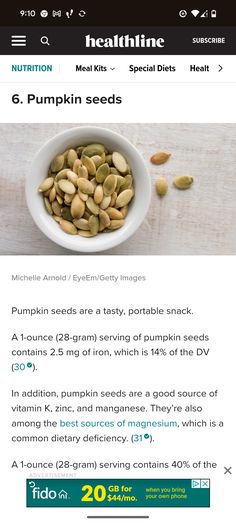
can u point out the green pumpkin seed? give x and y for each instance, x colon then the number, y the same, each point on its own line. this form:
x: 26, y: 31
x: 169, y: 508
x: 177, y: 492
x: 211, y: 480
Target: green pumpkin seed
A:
x: 79, y: 150
x: 93, y: 224
x: 109, y: 185
x: 102, y: 173
x: 93, y: 150
x: 88, y: 162
x: 120, y: 181
x: 48, y: 206
x: 109, y: 159
x: 82, y: 172
x: 56, y: 208
x: 97, y: 160
x: 183, y: 181
x: 66, y: 214
x: 128, y: 181
x: 104, y: 218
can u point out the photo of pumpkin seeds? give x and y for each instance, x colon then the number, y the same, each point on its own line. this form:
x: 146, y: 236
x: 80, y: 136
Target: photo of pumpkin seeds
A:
x: 87, y: 189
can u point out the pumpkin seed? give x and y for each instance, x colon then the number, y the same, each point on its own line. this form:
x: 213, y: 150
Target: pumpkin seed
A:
x: 97, y: 160
x: 81, y: 223
x: 124, y: 198
x: 46, y: 184
x: 120, y: 181
x: 82, y: 172
x: 102, y: 173
x: 160, y: 158
x: 77, y: 207
x: 116, y: 224
x: 56, y: 218
x: 56, y: 208
x: 85, y: 233
x: 59, y: 199
x: 124, y: 211
x: 109, y: 159
x: 90, y: 204
x: 68, y: 199
x: 114, y: 213
x: 93, y: 150
x: 89, y: 163
x: 68, y: 227
x: 109, y: 185
x: 119, y: 162
x: 47, y: 193
x: 57, y: 163
x: 79, y: 150
x: 67, y: 186
x: 93, y: 224
x: 105, y: 202
x: 128, y: 180
x: 183, y: 181
x: 52, y: 194
x: 98, y: 194
x: 61, y: 175
x: 71, y: 157
x: 48, y: 206
x: 161, y: 186
x: 66, y: 214
x: 113, y: 198
x: 72, y: 177
x: 76, y: 165
x: 83, y: 196
x: 85, y: 186
x: 104, y: 218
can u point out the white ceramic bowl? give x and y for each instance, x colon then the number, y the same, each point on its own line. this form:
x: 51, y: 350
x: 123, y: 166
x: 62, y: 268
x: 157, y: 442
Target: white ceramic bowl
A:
x: 72, y: 138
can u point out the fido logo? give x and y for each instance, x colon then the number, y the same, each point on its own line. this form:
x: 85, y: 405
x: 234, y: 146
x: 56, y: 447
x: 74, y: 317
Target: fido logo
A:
x: 38, y: 493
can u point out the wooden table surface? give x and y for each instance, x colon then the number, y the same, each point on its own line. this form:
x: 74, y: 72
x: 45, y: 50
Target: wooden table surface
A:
x: 199, y: 221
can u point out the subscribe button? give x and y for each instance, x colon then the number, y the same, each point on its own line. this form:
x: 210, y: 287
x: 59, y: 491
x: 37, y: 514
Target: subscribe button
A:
x: 123, y: 493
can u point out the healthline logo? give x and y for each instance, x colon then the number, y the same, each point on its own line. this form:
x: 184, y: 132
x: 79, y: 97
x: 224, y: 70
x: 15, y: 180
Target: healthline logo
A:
x: 124, y: 41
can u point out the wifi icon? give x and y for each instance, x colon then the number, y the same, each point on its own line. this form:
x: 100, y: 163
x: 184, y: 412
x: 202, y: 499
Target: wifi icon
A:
x: 195, y: 12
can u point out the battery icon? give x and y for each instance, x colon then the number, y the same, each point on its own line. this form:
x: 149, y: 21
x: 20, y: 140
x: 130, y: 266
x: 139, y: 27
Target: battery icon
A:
x: 213, y: 13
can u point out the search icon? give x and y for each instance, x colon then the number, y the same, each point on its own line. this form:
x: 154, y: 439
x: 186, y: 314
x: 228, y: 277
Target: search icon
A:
x: 44, y: 40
